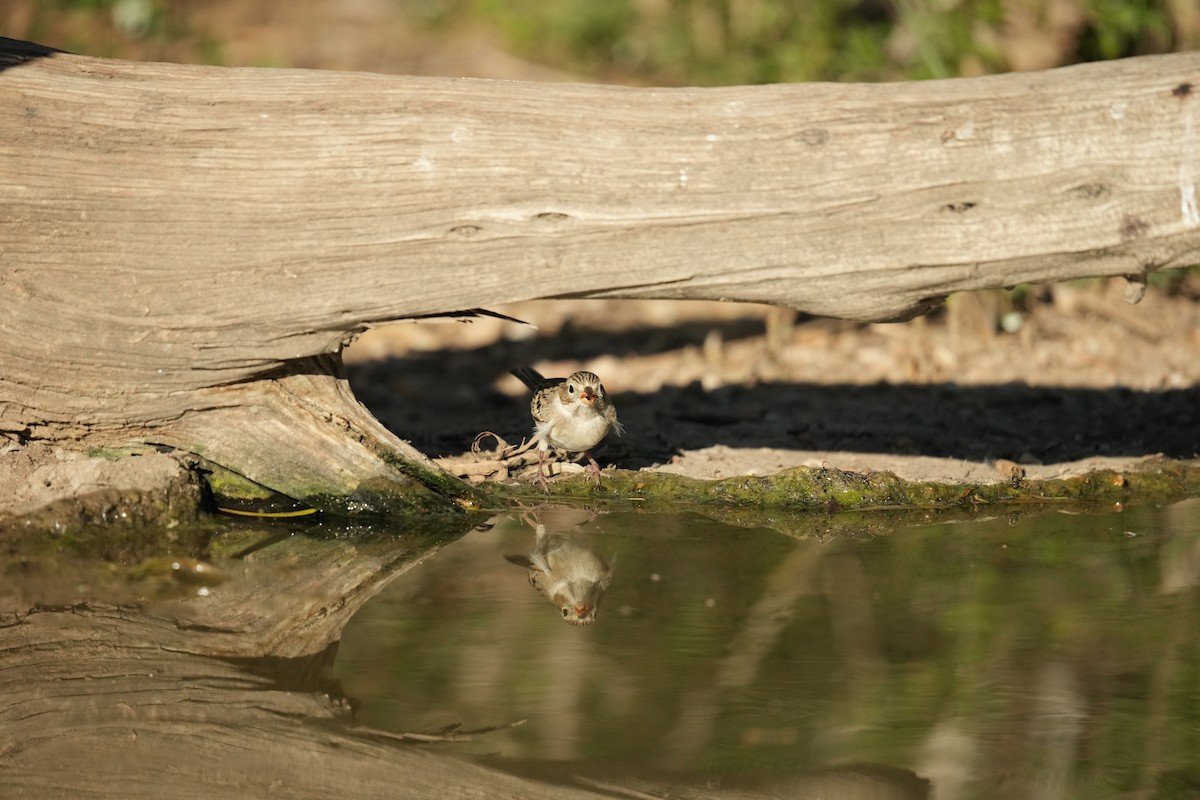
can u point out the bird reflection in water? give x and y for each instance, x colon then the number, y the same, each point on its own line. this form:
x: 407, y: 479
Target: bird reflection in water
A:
x: 566, y: 571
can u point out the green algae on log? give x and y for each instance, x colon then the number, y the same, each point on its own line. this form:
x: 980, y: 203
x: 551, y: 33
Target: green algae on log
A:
x: 237, y: 494
x: 832, y: 489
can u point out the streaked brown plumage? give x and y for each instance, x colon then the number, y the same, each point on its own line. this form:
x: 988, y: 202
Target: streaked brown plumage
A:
x: 571, y: 414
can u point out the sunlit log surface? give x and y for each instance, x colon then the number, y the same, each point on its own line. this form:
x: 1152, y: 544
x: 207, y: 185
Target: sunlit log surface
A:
x: 184, y: 250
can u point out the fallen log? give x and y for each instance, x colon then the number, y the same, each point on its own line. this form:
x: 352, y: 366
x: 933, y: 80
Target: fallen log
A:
x: 185, y: 250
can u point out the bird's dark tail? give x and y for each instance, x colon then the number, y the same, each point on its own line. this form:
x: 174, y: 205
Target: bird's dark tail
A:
x: 529, y: 376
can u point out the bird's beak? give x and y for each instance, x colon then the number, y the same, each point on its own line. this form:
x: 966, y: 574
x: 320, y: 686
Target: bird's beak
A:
x: 587, y: 398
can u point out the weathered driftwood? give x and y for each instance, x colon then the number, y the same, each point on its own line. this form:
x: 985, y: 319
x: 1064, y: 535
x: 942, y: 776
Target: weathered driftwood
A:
x: 186, y: 249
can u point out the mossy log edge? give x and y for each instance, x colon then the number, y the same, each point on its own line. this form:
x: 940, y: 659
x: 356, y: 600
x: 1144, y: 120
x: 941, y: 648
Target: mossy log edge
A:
x: 826, y: 489
x: 800, y: 489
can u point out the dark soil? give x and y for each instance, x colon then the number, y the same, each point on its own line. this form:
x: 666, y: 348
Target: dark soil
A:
x: 712, y: 390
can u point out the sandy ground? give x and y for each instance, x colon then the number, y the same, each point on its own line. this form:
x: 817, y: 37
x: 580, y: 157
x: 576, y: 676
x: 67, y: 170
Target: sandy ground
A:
x: 1083, y: 380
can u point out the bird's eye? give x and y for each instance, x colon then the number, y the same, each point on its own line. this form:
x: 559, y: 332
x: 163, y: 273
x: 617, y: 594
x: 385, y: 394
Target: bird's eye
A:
x: 566, y: 612
x: 571, y: 388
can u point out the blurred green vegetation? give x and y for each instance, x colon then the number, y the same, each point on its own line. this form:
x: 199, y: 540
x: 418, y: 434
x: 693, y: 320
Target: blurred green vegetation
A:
x: 133, y: 29
x: 704, y: 42
x: 711, y: 42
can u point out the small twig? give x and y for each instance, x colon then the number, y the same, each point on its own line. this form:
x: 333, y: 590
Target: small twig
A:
x: 450, y: 733
x: 523, y: 447
x: 503, y: 451
x: 497, y: 454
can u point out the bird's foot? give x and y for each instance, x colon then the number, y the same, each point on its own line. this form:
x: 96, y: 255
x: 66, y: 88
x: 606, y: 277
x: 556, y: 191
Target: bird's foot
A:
x: 593, y: 467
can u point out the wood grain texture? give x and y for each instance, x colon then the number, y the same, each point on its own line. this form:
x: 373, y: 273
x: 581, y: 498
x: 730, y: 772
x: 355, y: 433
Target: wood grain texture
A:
x: 174, y: 236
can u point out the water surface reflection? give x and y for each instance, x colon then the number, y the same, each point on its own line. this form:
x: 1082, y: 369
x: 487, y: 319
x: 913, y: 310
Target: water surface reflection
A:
x: 566, y: 569
x: 1052, y: 656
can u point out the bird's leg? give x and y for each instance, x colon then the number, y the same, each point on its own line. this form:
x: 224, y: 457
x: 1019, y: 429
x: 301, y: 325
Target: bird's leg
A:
x: 595, y: 468
x: 541, y: 478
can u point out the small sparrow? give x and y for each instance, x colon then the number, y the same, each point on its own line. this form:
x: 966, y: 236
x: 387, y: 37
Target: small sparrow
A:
x: 568, y: 574
x: 570, y: 414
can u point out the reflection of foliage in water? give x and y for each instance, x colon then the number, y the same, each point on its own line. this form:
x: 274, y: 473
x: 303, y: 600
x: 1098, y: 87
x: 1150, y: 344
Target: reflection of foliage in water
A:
x: 1022, y: 643
x: 1056, y: 650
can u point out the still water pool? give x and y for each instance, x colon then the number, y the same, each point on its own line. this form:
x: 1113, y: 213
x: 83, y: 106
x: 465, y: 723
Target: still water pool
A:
x: 1046, y: 655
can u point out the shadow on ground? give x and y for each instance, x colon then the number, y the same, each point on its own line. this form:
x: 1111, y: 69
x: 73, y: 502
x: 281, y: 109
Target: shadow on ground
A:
x: 439, y: 401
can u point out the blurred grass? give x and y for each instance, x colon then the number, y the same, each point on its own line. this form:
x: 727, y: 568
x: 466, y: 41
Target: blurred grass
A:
x: 131, y: 29
x: 694, y: 42
x: 711, y: 42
